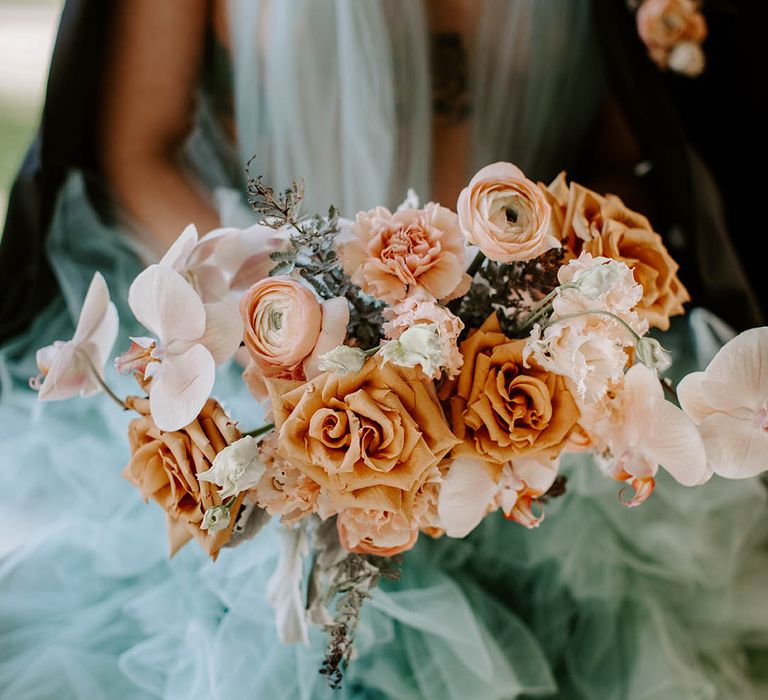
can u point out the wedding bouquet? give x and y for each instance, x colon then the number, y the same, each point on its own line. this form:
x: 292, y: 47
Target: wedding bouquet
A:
x: 419, y: 369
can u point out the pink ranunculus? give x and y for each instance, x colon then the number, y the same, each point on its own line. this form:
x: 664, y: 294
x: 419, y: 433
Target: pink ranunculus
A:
x: 413, y: 311
x: 413, y: 251
x: 377, y: 532
x: 287, y: 328
x: 506, y: 215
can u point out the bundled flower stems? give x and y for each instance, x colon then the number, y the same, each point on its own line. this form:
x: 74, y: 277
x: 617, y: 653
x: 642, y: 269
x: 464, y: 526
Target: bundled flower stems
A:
x: 420, y: 369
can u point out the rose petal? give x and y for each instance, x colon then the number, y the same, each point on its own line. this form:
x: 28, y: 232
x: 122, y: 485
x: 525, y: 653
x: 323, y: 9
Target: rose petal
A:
x: 181, y: 387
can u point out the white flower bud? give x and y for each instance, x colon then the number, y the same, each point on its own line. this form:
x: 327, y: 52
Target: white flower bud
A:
x: 418, y: 345
x: 215, y: 519
x: 236, y: 468
x: 342, y: 359
x: 652, y: 354
x: 687, y: 58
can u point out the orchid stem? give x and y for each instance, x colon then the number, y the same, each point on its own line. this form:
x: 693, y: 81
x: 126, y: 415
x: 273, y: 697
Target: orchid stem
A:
x: 542, y: 308
x: 476, y: 264
x: 260, y: 431
x: 104, y: 386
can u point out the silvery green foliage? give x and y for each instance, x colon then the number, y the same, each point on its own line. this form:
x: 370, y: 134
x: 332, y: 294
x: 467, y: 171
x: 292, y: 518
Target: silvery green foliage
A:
x: 250, y: 520
x: 340, y: 583
x: 311, y: 253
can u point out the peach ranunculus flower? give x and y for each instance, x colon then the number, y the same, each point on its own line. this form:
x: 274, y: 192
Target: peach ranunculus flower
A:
x: 411, y: 312
x: 666, y: 24
x: 506, y: 215
x: 500, y: 408
x: 413, y: 251
x: 283, y: 490
x: 287, y: 329
x: 729, y: 403
x: 370, y: 439
x: 604, y: 226
x: 381, y: 533
x: 164, y: 467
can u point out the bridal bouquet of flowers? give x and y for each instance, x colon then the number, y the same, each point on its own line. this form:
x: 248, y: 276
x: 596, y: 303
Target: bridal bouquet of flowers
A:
x: 419, y: 370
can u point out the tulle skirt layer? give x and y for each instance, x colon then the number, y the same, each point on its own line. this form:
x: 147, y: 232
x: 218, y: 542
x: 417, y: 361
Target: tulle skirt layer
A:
x: 661, y: 602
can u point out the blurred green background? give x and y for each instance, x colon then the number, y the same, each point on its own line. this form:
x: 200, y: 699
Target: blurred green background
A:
x: 27, y: 32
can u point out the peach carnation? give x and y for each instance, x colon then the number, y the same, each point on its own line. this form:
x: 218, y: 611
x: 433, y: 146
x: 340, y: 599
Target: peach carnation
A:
x: 392, y: 256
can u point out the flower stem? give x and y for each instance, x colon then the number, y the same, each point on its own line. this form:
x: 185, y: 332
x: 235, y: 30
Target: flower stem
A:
x: 104, y: 386
x: 601, y: 312
x: 476, y: 264
x: 260, y: 431
x: 542, y: 308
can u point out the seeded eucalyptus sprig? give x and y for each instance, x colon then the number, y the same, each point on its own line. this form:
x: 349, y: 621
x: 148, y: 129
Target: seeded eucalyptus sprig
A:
x: 276, y: 210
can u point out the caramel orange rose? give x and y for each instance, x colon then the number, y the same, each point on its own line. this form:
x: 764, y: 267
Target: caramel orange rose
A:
x: 392, y: 256
x: 604, y: 226
x: 506, y: 215
x: 164, y: 467
x: 287, y: 328
x: 369, y: 438
x: 502, y: 409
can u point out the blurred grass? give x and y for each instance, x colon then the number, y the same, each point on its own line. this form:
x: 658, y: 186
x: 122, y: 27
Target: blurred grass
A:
x: 17, y: 126
x: 27, y: 30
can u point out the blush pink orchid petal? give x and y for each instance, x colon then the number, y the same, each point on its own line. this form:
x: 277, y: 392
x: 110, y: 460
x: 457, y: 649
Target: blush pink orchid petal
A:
x: 181, y: 387
x: 177, y: 256
x: 223, y: 329
x: 466, y: 495
x: 729, y: 402
x: 166, y: 304
x: 69, y: 367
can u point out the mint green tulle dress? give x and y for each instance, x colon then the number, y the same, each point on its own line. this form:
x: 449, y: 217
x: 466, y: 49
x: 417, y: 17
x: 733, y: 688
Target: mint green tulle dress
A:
x: 660, y: 602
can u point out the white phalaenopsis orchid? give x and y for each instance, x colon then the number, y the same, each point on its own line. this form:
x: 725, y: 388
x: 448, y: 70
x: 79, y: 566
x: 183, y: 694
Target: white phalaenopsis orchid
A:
x: 471, y: 489
x: 182, y: 361
x: 74, y: 367
x: 729, y: 403
x: 225, y: 262
x: 638, y: 430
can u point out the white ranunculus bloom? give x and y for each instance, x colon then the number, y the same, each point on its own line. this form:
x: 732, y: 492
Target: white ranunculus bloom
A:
x: 238, y: 467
